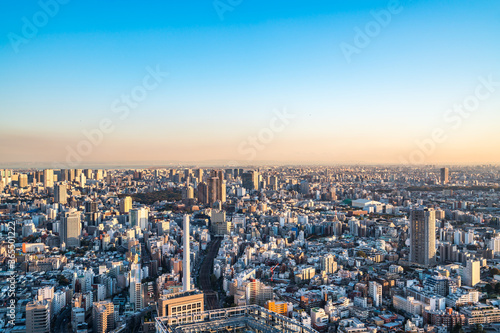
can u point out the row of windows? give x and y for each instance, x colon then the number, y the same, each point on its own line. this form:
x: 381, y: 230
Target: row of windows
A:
x: 179, y: 308
x: 187, y: 312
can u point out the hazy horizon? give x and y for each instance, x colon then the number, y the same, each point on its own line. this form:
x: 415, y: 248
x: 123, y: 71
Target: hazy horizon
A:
x: 364, y: 82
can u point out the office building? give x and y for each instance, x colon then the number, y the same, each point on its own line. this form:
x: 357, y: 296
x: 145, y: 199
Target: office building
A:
x: 471, y: 273
x: 202, y: 193
x: 71, y: 229
x: 90, y: 207
x: 444, y: 175
x: 494, y: 244
x: 219, y: 224
x: 375, y: 292
x: 135, y: 289
x: 125, y: 205
x: 23, y: 180
x: 423, y: 237
x: 277, y: 307
x: 38, y: 317
x: 48, y: 178
x: 139, y: 217
x: 250, y: 180
x: 181, y: 303
x: 103, y: 317
x: 328, y: 264
x: 257, y: 292
x: 60, y: 194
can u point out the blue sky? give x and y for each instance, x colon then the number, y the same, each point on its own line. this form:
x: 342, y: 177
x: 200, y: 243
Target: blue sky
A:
x: 227, y: 76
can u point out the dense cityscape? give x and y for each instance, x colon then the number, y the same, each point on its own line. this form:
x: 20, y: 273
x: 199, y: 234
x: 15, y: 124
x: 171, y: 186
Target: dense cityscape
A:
x: 349, y: 249
x: 232, y: 166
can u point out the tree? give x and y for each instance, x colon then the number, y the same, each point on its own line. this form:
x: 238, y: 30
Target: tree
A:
x: 361, y: 254
x: 478, y: 329
x: 456, y: 329
x: 494, y: 271
x: 213, y: 281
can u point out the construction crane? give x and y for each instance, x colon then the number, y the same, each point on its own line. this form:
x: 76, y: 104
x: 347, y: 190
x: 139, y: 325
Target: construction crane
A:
x: 272, y: 271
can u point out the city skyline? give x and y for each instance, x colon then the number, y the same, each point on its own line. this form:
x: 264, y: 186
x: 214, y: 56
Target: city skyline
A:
x: 381, y: 82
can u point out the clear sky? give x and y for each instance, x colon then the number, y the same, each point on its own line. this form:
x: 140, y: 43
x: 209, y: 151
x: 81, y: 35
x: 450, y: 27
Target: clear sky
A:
x: 362, y: 81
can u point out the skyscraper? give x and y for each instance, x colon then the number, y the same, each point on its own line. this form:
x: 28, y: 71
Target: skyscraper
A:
x: 103, y: 317
x: 186, y: 262
x: 250, y: 180
x: 328, y: 264
x: 199, y: 175
x: 125, y: 205
x: 212, y: 189
x: 135, y: 291
x: 139, y: 217
x: 375, y: 292
x: 71, y: 228
x: 23, y: 180
x: 471, y: 273
x: 444, y: 175
x: 38, y: 317
x: 202, y: 193
x: 48, y: 178
x: 423, y: 237
x: 90, y: 207
x: 60, y: 194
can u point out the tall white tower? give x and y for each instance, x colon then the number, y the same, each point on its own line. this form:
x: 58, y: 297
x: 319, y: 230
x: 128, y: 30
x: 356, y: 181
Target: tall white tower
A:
x: 186, y: 264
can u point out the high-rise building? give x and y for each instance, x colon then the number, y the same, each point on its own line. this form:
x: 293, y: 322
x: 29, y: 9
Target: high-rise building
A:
x: 423, y: 237
x: 103, y: 317
x: 202, y: 193
x: 125, y: 205
x: 444, y: 175
x: 375, y: 292
x: 257, y: 292
x: 216, y: 187
x: 48, y: 178
x: 199, y: 175
x: 38, y: 317
x: 250, y: 180
x: 186, y: 261
x: 220, y: 184
x: 135, y: 291
x: 471, y: 273
x: 219, y: 224
x: 181, y: 303
x: 71, y: 175
x: 64, y: 175
x: 89, y: 173
x: 90, y: 207
x: 60, y: 194
x: 273, y: 183
x: 495, y: 244
x: 71, y: 228
x: 23, y: 180
x: 328, y: 264
x: 139, y: 217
